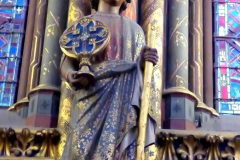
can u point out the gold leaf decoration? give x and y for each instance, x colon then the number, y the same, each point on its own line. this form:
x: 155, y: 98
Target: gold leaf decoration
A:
x: 5, y: 138
x: 213, y: 151
x: 24, y: 144
x: 166, y: 148
x: 191, y: 148
x: 232, y: 151
x: 50, y: 139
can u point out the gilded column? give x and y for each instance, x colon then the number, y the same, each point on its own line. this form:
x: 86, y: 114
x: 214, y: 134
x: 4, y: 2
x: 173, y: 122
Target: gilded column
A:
x: 37, y: 44
x: 27, y: 50
x: 76, y: 10
x: 51, y: 54
x: 132, y: 10
x: 207, y: 53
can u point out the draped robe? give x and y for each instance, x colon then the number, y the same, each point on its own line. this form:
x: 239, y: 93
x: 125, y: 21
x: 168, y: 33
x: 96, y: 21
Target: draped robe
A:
x: 104, y: 118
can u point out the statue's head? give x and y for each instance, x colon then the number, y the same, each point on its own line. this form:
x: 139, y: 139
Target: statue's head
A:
x: 121, y: 3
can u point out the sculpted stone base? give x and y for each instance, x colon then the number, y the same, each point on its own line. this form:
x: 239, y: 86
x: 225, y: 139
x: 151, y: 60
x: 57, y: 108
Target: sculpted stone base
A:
x: 43, y: 106
x: 179, y: 109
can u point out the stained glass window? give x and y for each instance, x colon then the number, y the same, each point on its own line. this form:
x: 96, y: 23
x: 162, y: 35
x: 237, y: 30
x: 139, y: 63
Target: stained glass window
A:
x: 12, y: 20
x: 227, y: 56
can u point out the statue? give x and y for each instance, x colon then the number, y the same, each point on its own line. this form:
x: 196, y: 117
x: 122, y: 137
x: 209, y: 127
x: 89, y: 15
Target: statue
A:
x: 105, y: 110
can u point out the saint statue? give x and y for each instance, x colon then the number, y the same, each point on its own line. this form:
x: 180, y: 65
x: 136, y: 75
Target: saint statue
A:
x: 105, y: 112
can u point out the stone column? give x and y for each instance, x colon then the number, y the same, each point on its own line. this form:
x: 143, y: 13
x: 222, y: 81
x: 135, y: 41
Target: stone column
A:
x: 203, y: 112
x: 132, y: 10
x: 207, y: 53
x: 44, y: 99
x: 152, y: 11
x: 179, y: 103
x: 22, y: 87
x: 37, y: 45
x: 196, y: 48
x: 76, y: 10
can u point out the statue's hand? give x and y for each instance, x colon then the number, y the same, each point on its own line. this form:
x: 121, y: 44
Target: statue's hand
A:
x: 148, y: 54
x: 76, y: 81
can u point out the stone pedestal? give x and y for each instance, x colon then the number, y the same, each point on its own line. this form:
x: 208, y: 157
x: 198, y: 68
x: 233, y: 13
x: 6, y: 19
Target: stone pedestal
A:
x: 180, y: 105
x: 43, y: 106
x: 203, y: 114
x: 20, y: 108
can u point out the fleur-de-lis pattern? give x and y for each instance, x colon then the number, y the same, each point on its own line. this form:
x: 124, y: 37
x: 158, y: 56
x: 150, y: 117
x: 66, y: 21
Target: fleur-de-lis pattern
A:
x: 26, y: 143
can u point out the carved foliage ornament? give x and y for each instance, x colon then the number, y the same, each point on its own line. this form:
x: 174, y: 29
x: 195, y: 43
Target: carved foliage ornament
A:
x: 197, y: 146
x: 42, y: 143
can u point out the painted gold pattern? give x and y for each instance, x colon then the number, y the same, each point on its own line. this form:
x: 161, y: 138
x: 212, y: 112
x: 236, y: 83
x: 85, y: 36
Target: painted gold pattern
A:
x: 178, y: 44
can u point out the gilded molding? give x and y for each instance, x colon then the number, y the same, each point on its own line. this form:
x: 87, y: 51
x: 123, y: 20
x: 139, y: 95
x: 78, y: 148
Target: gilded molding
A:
x: 181, y: 145
x: 201, y: 105
x: 13, y: 107
x: 179, y: 90
x: 42, y: 87
x: 28, y: 144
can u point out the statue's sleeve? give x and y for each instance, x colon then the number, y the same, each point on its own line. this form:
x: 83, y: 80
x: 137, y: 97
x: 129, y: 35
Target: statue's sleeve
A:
x: 140, y: 43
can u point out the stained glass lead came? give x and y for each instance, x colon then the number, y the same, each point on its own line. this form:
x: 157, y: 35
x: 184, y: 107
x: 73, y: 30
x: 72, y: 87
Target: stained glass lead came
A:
x: 227, y: 57
x: 12, y: 20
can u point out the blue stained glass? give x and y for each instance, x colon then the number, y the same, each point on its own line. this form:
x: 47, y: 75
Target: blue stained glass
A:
x: 6, y: 11
x: 227, y: 57
x: 10, y: 40
x: 234, y: 13
x: 229, y: 107
x: 227, y: 18
x: 7, y: 91
x: 14, y: 2
x: 13, y: 50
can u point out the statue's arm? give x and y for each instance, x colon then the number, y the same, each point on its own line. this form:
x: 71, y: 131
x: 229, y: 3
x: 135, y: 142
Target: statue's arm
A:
x: 67, y: 64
